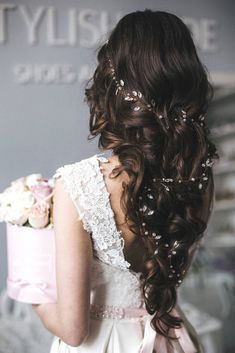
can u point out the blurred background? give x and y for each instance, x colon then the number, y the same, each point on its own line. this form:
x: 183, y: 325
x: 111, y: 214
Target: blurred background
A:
x: 47, y: 52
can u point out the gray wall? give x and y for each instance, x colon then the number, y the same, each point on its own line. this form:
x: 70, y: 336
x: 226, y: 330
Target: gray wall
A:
x: 44, y: 122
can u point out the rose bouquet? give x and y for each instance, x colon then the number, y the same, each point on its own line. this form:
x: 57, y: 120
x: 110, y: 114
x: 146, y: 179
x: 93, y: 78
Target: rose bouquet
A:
x: 28, y: 201
x: 26, y: 206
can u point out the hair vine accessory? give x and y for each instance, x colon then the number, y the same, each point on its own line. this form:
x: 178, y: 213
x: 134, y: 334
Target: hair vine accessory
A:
x: 166, y: 182
x: 200, y: 180
x: 171, y: 252
x: 161, y: 244
x: 130, y: 95
x: 137, y: 96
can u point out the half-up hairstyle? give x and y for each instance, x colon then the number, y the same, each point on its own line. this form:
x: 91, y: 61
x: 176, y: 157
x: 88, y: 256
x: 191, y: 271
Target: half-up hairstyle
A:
x: 147, y: 101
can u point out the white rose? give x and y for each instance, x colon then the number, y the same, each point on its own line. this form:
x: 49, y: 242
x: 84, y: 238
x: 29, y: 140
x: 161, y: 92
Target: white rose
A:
x: 17, y: 216
x: 6, y: 198
x: 18, y: 184
x: 32, y: 179
x: 23, y: 199
x: 18, y: 199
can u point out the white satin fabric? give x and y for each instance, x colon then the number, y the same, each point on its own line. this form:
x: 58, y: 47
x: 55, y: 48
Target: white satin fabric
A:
x: 117, y: 287
x: 107, y: 336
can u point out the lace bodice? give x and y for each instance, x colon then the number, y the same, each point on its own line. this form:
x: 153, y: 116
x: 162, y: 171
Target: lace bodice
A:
x: 113, y: 283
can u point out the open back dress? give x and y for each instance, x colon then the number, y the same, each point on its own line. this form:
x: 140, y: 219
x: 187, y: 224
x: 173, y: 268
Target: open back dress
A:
x: 119, y: 322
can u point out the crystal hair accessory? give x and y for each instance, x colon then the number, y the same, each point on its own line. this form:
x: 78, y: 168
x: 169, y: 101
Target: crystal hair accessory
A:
x: 171, y: 252
x: 166, y: 182
x: 130, y: 95
x: 160, y: 242
x: 137, y: 97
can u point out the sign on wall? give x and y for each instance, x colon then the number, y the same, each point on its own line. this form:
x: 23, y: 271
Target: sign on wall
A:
x: 82, y: 28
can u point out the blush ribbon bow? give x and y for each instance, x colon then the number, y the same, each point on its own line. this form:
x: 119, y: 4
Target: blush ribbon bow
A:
x: 152, y: 340
x: 18, y: 284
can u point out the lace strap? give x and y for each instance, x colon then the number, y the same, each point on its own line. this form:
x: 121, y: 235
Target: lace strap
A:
x: 73, y: 182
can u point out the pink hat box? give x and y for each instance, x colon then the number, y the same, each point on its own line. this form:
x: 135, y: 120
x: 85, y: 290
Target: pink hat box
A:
x: 31, y: 264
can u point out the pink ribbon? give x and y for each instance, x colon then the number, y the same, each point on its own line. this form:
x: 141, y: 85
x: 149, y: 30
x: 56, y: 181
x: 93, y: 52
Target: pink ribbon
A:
x: 21, y: 283
x: 152, y: 340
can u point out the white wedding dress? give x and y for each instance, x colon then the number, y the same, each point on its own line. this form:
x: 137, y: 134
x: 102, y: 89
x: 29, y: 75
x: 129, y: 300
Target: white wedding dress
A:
x: 115, y: 288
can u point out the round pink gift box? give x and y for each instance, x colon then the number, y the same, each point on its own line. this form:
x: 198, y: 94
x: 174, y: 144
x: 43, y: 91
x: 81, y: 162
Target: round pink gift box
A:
x: 31, y: 264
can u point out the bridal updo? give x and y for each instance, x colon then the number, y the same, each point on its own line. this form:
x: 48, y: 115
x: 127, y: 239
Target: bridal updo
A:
x: 148, y: 98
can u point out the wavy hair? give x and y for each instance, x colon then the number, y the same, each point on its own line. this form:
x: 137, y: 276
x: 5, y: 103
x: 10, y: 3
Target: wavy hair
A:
x: 153, y: 51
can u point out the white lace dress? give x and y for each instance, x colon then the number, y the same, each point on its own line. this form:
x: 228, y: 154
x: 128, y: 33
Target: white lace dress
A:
x: 115, y: 288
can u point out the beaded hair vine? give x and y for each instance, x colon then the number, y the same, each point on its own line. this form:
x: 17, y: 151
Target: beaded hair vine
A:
x: 135, y: 96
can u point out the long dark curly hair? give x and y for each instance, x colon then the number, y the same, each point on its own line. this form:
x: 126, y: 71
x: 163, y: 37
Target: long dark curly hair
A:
x: 153, y: 52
